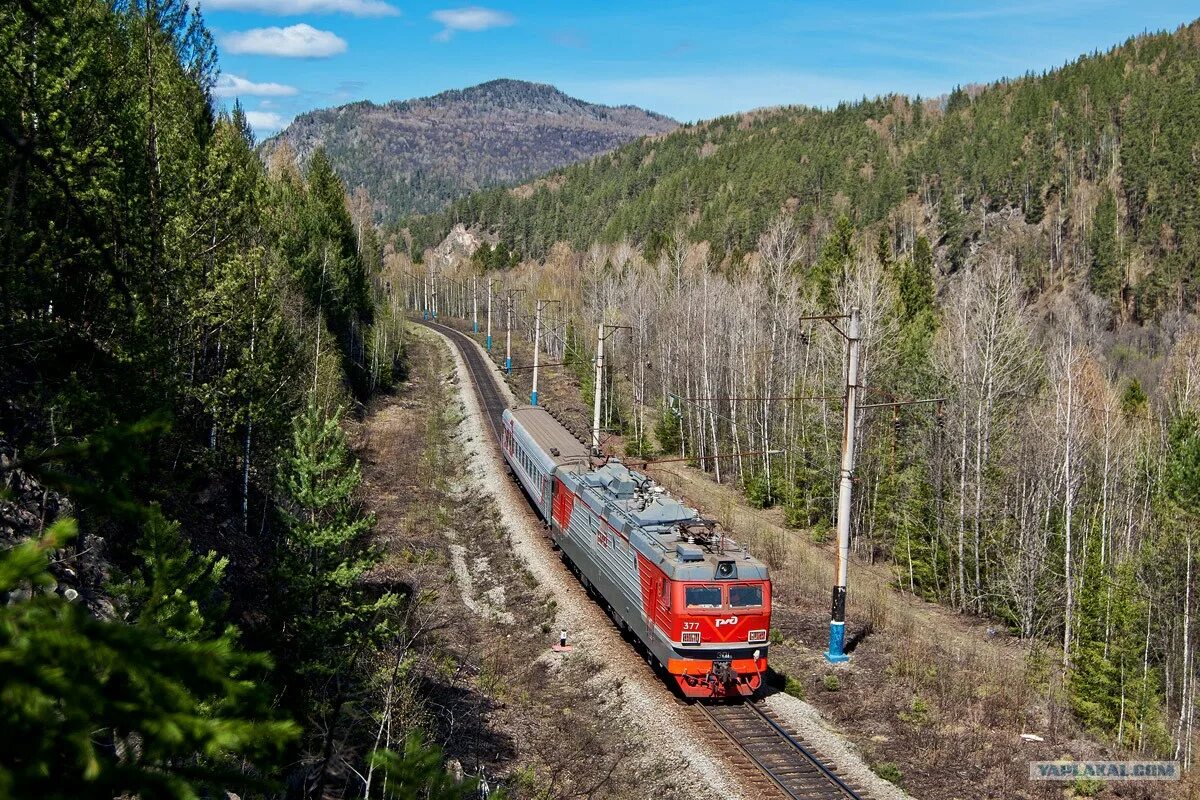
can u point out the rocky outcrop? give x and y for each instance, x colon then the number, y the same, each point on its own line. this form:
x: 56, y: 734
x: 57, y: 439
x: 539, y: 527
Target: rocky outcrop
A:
x: 458, y: 247
x: 27, y: 509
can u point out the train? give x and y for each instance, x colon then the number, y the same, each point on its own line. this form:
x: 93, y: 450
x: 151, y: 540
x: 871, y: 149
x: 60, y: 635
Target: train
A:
x: 698, y: 603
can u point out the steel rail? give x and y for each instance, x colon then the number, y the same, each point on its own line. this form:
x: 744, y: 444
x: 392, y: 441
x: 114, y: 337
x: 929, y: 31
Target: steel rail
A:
x: 829, y: 780
x: 492, y: 404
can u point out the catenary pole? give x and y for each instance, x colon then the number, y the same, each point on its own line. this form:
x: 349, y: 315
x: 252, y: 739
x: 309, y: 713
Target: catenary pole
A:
x: 508, y: 332
x: 837, y: 624
x: 489, y: 318
x: 537, y: 337
x: 475, y: 301
x: 596, y: 393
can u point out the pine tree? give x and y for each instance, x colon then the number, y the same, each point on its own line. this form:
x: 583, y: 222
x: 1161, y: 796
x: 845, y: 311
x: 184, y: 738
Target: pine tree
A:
x: 173, y: 590
x: 916, y: 281
x: 329, y: 617
x: 104, y: 709
x: 1105, y: 274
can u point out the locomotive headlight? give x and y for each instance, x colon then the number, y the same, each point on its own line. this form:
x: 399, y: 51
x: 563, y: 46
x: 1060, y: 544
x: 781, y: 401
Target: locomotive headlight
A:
x: 726, y: 570
x: 690, y: 637
x: 757, y: 636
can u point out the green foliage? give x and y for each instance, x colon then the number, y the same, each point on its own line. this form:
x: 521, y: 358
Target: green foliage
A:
x: 836, y: 255
x: 1105, y: 274
x: 322, y: 556
x: 1035, y: 208
x: 418, y: 774
x: 1109, y: 689
x: 639, y: 447
x: 831, y: 683
x: 667, y: 431
x: 889, y: 771
x: 759, y: 493
x: 917, y: 714
x: 500, y: 257
x: 171, y: 589
x: 164, y: 295
x: 1182, y: 480
x: 1134, y: 400
x: 101, y: 709
x: 953, y: 224
x: 793, y: 687
x: 916, y: 282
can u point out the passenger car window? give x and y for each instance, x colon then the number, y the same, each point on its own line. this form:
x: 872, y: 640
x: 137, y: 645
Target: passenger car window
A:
x: 702, y: 596
x: 742, y: 596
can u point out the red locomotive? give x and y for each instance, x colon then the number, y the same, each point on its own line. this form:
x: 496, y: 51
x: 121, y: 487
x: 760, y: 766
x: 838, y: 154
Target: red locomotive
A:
x: 699, y: 603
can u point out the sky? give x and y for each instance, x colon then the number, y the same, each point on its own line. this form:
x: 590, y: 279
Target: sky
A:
x: 689, y: 60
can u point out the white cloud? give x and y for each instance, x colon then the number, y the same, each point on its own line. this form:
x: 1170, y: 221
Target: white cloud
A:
x: 358, y: 8
x: 264, y: 121
x: 294, y: 41
x: 471, y: 18
x: 236, y: 86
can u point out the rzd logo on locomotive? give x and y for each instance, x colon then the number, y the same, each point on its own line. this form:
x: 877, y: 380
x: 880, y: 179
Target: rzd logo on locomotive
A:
x: 727, y: 621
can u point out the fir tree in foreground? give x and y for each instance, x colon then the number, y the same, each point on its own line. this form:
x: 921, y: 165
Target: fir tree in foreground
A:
x: 90, y: 708
x: 331, y: 620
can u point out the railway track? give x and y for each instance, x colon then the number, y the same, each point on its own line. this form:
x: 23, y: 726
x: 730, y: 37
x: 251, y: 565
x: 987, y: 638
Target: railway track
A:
x: 790, y: 765
x: 778, y: 759
x: 491, y: 399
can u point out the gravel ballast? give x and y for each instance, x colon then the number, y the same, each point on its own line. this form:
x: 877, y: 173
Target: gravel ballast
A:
x: 650, y: 706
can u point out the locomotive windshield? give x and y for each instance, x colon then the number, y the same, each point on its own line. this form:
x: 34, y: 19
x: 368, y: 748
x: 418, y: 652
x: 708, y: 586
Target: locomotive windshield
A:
x: 743, y: 596
x: 703, y: 596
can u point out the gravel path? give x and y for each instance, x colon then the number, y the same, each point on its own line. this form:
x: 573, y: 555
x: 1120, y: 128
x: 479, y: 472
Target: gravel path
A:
x: 649, y: 705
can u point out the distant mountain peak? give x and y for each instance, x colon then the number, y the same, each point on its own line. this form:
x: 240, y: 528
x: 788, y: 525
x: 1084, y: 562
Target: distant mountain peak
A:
x: 417, y: 155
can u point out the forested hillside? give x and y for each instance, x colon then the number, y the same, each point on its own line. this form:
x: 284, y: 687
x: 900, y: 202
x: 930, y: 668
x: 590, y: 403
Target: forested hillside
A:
x: 1024, y: 256
x: 418, y: 155
x: 182, y: 610
x: 1096, y: 159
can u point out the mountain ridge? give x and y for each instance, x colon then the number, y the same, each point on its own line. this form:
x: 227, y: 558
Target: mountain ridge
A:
x: 1093, y: 157
x: 417, y: 155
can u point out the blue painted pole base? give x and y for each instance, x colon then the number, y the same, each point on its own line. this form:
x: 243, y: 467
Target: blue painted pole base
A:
x: 476, y: 327
x: 508, y: 365
x: 424, y: 315
x: 837, y: 644
x: 533, y: 398
x: 489, y: 344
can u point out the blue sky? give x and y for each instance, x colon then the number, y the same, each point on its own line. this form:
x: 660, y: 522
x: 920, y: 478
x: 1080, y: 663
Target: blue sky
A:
x: 690, y: 60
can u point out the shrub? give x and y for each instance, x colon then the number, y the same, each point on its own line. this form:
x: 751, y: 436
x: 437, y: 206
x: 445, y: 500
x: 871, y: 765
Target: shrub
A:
x: 889, y: 772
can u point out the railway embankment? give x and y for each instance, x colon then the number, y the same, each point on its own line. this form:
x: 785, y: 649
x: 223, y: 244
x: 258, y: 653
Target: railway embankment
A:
x: 475, y: 675
x: 670, y: 728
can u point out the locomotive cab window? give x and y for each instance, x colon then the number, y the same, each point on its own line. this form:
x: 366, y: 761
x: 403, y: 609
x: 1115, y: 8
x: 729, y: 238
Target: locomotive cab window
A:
x: 743, y: 596
x: 702, y: 596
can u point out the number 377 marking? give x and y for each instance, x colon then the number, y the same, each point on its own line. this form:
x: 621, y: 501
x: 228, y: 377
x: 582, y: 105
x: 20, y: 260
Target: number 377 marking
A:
x: 691, y: 626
